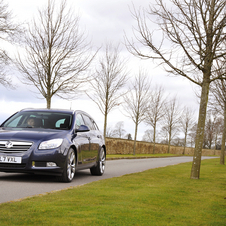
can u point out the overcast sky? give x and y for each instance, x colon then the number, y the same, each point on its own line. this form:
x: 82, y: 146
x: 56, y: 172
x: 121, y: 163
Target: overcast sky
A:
x: 103, y: 21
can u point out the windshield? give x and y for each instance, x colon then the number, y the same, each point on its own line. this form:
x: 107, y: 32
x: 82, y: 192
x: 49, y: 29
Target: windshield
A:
x: 38, y: 119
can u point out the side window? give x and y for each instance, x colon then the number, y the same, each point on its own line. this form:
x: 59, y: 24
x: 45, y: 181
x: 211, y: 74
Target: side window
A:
x: 79, y: 121
x: 88, y: 122
x: 63, y: 123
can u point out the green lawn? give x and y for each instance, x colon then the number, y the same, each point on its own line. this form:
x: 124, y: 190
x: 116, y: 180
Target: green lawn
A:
x: 162, y: 196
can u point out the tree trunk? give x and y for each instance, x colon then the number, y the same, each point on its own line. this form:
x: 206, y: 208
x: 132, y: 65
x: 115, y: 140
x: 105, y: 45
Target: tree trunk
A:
x: 135, y: 139
x: 169, y: 143
x: 222, y: 155
x: 168, y: 151
x: 154, y: 138
x: 48, y: 102
x: 48, y: 94
x: 185, y: 141
x: 105, y: 124
x: 195, y: 171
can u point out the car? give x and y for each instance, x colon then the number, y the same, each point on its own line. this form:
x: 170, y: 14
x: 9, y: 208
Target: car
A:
x: 52, y: 142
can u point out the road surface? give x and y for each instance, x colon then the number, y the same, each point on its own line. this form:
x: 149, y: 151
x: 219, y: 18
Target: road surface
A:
x: 18, y: 186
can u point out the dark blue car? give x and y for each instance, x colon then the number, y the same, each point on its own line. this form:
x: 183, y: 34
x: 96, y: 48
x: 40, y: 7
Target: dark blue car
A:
x: 52, y: 142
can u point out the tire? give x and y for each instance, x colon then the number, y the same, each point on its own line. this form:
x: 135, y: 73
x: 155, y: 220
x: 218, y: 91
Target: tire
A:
x: 69, y: 167
x: 98, y: 170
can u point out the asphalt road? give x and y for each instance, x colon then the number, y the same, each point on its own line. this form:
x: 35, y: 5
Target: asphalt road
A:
x: 18, y: 186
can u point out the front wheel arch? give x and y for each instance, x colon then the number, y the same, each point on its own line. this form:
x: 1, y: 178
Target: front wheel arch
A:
x: 76, y: 153
x: 99, y: 168
x: 69, y: 166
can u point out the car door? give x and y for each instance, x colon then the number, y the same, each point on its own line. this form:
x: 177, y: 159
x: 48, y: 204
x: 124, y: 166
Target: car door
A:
x: 83, y: 141
x: 94, y: 139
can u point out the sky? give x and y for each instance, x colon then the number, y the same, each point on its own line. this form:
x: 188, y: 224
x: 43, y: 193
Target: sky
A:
x: 103, y: 21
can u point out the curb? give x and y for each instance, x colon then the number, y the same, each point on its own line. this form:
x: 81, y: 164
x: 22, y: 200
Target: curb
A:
x: 142, y: 157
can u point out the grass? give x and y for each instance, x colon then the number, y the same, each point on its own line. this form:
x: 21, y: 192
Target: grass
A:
x: 162, y: 196
x: 130, y: 156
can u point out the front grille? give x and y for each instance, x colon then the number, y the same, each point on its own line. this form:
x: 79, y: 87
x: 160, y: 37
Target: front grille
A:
x: 14, y: 146
x: 8, y: 165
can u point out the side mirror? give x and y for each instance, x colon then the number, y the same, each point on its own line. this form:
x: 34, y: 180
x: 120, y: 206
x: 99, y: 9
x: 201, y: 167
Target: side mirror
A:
x: 82, y: 128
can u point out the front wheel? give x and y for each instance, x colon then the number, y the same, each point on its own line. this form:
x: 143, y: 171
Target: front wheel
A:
x: 98, y: 170
x: 69, y: 167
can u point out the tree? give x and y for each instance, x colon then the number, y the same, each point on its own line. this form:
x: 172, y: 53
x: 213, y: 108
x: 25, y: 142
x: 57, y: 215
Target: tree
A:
x: 209, y: 131
x: 57, y: 54
x: 218, y: 131
x: 136, y: 101
x: 192, y: 135
x: 128, y: 136
x: 109, y: 132
x: 106, y: 84
x: 8, y: 31
x: 171, y: 119
x: 218, y: 100
x: 187, y: 122
x: 155, y: 110
x: 192, y: 41
x: 118, y: 130
x: 213, y: 129
x: 148, y: 136
x: 177, y: 141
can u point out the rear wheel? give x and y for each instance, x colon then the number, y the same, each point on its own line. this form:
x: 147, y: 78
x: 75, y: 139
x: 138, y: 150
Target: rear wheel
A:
x: 69, y: 167
x: 98, y: 170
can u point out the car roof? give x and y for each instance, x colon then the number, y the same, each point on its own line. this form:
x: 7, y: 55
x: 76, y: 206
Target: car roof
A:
x: 69, y: 111
x: 48, y: 110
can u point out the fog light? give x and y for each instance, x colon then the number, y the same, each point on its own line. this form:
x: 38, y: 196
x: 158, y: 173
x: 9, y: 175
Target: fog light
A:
x: 51, y: 164
x: 33, y: 163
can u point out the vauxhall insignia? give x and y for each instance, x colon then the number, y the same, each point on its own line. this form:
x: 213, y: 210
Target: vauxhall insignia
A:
x: 9, y: 144
x: 48, y: 141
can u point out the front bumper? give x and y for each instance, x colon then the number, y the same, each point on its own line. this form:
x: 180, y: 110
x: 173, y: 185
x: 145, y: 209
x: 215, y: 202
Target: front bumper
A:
x: 48, y: 162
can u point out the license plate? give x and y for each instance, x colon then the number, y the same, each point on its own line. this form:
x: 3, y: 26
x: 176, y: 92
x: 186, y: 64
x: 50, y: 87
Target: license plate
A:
x: 10, y: 159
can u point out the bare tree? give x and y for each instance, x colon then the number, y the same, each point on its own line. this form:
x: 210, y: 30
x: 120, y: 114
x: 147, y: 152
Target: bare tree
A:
x: 192, y: 41
x: 218, y: 131
x: 192, y: 135
x: 155, y: 110
x: 107, y: 82
x: 171, y: 119
x: 109, y: 132
x: 8, y: 31
x: 187, y: 121
x: 118, y: 131
x: 128, y: 136
x: 57, y: 54
x: 209, y: 131
x: 136, y: 101
x: 218, y: 101
x: 177, y: 141
x: 148, y: 135
x: 164, y: 139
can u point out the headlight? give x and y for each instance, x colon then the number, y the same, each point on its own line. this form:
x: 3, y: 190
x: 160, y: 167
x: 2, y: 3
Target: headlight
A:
x: 50, y: 144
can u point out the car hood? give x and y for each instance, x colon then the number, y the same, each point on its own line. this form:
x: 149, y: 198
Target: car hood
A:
x: 30, y: 134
